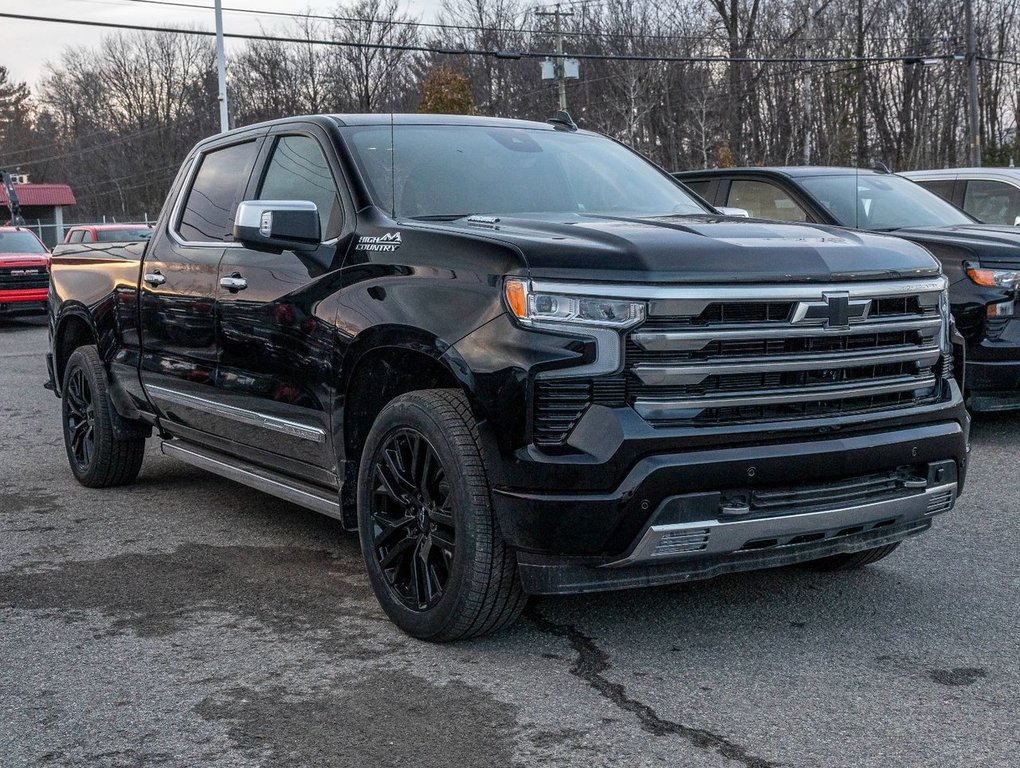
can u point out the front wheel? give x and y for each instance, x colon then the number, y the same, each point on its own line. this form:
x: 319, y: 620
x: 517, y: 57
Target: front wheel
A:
x: 437, y: 564
x: 98, y: 458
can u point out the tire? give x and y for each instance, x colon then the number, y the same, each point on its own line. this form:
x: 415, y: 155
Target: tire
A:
x: 848, y: 561
x: 437, y: 564
x: 97, y: 457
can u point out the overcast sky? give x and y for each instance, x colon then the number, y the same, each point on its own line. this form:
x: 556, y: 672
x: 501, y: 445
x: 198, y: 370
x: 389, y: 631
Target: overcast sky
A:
x: 26, y: 46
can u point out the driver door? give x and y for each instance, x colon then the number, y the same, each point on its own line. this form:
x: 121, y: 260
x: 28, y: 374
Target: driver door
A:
x: 275, y: 366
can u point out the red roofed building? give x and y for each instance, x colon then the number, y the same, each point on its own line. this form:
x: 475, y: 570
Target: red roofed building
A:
x: 42, y: 205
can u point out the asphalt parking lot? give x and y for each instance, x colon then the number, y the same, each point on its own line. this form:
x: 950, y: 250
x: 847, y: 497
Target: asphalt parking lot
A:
x: 187, y: 620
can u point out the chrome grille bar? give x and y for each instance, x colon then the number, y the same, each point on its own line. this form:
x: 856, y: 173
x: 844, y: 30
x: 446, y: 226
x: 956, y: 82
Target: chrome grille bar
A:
x: 665, y: 375
x: 658, y: 410
x: 686, y: 341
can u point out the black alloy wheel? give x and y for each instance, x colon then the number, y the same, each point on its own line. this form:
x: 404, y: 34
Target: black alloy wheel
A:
x: 435, y: 557
x: 413, y: 531
x: 80, y: 419
x: 103, y: 449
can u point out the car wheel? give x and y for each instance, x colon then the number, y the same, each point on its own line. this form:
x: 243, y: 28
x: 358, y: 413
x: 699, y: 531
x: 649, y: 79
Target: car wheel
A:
x: 437, y: 564
x: 98, y: 458
x: 850, y: 560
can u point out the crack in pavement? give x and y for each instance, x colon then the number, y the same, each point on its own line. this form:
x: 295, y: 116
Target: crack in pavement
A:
x: 592, y: 662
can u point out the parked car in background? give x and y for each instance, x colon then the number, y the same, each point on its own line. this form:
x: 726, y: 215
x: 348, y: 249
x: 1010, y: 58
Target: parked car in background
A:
x: 981, y: 262
x: 992, y: 195
x: 108, y: 233
x: 24, y: 272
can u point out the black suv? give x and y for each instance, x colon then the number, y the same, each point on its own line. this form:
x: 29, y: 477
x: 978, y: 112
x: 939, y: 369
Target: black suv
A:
x: 518, y: 358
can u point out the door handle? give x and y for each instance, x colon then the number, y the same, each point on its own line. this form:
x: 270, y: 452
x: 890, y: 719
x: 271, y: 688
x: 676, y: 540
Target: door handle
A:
x: 234, y: 283
x: 154, y: 278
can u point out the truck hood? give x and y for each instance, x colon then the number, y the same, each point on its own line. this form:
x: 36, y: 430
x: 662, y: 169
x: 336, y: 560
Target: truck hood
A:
x: 700, y: 249
x: 24, y: 259
x: 995, y: 245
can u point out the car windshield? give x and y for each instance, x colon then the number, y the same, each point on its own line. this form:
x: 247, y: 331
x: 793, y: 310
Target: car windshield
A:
x: 881, y: 202
x: 445, y: 172
x: 123, y: 235
x: 20, y: 242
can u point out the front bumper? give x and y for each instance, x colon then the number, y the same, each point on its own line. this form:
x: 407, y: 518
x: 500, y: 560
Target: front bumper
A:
x: 543, y: 575
x: 23, y: 301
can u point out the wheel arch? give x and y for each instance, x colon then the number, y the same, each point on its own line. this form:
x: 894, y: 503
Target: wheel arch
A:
x: 74, y: 329
x: 377, y: 369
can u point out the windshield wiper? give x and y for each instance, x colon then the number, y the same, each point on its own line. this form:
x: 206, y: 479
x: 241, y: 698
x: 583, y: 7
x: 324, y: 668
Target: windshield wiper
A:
x: 441, y: 217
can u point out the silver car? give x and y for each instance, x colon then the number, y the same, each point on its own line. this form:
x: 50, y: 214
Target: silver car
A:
x: 991, y: 195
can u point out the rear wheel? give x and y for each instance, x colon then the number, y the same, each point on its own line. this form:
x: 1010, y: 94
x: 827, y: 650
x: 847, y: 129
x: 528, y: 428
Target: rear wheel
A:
x: 435, y: 559
x: 849, y: 560
x: 98, y: 458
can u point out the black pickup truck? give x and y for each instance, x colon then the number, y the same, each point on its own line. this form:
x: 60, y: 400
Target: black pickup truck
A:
x: 517, y: 358
x: 981, y: 262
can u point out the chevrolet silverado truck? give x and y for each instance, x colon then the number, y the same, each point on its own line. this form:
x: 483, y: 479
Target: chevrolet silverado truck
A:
x: 981, y: 262
x: 517, y: 358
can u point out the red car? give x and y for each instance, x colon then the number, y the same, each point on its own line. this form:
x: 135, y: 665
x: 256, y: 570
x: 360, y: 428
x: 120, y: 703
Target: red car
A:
x: 24, y: 272
x: 108, y: 233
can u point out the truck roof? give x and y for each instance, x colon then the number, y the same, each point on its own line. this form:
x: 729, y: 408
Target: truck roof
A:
x: 413, y: 118
x: 793, y: 171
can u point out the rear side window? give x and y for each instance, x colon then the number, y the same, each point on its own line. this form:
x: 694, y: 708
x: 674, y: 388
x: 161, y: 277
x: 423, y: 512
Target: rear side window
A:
x: 941, y: 187
x: 764, y: 201
x: 124, y: 235
x: 208, y: 214
x: 86, y: 236
x: 298, y: 170
x: 993, y: 202
x: 698, y: 187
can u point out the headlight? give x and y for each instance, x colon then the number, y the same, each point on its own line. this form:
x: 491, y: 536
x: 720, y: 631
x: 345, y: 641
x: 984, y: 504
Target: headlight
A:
x: 551, y: 307
x: 994, y: 278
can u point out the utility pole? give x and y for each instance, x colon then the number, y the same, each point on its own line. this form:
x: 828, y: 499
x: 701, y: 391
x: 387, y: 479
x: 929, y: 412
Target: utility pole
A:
x: 221, y: 67
x: 809, y: 83
x: 862, y: 125
x: 973, y: 118
x: 561, y: 75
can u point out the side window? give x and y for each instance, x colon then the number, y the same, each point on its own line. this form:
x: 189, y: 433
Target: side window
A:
x: 216, y: 190
x: 941, y: 187
x: 764, y: 201
x: 698, y: 187
x: 76, y: 236
x: 298, y: 170
x: 86, y: 236
x: 993, y: 202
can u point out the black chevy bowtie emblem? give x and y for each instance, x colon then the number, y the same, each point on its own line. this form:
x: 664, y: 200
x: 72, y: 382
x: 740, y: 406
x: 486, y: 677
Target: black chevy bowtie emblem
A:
x: 836, y: 310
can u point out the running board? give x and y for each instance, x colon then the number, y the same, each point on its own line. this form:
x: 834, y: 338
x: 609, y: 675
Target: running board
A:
x: 286, y: 488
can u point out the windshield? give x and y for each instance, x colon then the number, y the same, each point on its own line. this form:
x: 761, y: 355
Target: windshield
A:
x: 452, y: 171
x: 20, y: 242
x: 123, y: 235
x: 885, y: 202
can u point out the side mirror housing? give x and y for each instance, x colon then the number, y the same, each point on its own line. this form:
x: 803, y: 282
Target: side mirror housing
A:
x: 278, y: 225
x: 740, y: 212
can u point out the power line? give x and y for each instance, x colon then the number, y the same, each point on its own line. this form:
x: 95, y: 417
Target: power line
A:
x: 469, y: 27
x: 464, y: 51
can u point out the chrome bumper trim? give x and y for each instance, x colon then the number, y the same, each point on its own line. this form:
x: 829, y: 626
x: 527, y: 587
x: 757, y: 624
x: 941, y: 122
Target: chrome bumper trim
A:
x: 660, y: 543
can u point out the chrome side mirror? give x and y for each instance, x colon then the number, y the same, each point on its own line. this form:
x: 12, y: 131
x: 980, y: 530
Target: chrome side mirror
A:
x: 740, y: 212
x: 278, y: 225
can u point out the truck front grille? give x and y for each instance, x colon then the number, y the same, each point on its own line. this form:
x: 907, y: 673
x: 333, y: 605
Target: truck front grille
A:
x: 882, y: 352
x: 23, y: 277
x: 701, y: 360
